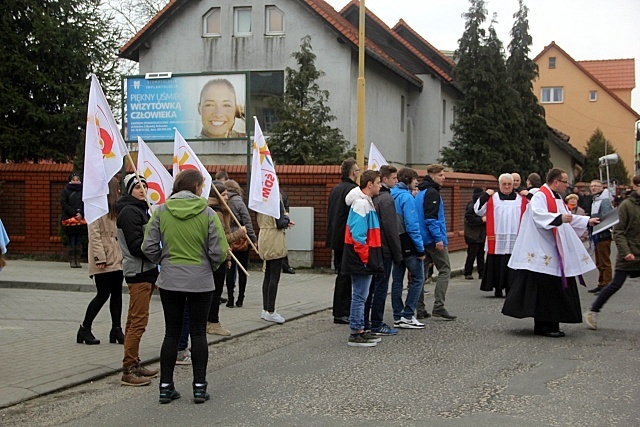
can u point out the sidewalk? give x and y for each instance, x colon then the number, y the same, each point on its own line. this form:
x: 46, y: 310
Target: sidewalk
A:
x: 38, y: 324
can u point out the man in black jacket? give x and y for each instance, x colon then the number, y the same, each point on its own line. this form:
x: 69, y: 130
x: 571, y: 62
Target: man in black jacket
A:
x: 391, y: 252
x: 475, y: 233
x: 337, y: 213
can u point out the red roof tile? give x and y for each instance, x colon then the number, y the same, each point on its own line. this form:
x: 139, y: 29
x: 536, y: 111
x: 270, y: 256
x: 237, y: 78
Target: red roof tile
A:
x: 613, y: 73
x: 402, y: 23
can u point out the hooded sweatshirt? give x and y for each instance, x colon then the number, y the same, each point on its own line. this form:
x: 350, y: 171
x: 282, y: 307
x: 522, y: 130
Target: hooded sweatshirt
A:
x: 362, y: 242
x: 410, y: 236
x: 185, y: 237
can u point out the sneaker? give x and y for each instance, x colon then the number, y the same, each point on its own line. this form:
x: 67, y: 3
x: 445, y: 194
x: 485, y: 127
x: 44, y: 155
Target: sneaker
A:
x: 444, y: 314
x: 370, y: 337
x: 184, y: 357
x: 358, y: 340
x: 273, y: 317
x: 263, y: 313
x: 169, y: 393
x: 591, y: 319
x: 384, y: 330
x: 595, y: 290
x: 468, y: 277
x: 408, y: 323
x: 131, y: 378
x: 200, y: 394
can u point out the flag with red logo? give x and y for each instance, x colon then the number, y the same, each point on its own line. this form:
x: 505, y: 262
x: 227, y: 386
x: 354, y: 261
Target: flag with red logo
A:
x: 264, y: 194
x: 103, y: 152
x: 184, y: 158
x: 159, y: 180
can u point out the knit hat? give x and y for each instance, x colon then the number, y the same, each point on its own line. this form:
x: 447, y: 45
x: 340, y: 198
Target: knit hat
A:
x: 131, y: 180
x: 72, y: 174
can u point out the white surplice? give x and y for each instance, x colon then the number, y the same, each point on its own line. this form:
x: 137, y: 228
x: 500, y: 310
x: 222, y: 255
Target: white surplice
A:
x: 536, y: 249
x: 506, y: 218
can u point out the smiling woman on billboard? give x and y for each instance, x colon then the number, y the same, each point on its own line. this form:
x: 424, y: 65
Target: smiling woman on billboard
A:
x: 220, y: 113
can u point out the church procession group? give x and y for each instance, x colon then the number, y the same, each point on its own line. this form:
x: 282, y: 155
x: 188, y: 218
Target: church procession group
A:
x: 534, y: 238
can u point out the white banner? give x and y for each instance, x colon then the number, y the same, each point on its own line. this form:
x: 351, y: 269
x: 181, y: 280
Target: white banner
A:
x: 184, y: 158
x: 264, y: 194
x: 159, y: 180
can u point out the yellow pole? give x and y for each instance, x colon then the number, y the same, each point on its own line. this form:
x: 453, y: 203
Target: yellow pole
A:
x: 361, y: 92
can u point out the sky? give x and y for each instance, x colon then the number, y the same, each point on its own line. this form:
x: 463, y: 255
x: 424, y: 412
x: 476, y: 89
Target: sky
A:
x: 585, y: 29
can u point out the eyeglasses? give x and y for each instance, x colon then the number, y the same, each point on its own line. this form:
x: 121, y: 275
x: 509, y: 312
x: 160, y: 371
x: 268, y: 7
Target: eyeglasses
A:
x: 564, y: 182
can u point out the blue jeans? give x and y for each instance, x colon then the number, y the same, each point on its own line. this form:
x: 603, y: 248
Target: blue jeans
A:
x: 619, y: 277
x: 359, y: 292
x: 374, y: 307
x: 416, y: 268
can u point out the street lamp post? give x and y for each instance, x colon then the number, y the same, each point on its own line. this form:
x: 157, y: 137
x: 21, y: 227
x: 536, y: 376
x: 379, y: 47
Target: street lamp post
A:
x: 361, y: 90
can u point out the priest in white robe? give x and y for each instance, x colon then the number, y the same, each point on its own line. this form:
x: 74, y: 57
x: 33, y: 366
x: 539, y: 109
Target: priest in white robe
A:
x: 547, y: 256
x: 503, y: 210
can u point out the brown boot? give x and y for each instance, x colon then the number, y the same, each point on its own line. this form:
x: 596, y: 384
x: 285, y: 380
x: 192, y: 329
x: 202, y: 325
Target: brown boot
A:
x: 130, y: 377
x: 217, y: 329
x: 144, y: 372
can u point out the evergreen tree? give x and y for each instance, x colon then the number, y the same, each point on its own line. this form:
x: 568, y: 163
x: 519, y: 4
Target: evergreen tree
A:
x: 532, y: 134
x: 596, y: 149
x: 49, y: 48
x: 481, y: 140
x: 302, y: 135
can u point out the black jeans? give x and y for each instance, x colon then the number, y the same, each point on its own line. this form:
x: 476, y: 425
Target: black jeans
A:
x: 270, y: 284
x: 108, y: 285
x: 173, y: 304
x: 243, y: 259
x: 619, y: 277
x: 219, y: 277
x: 475, y: 251
x: 342, y: 289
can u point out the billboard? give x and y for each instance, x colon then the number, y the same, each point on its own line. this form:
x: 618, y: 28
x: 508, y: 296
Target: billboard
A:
x: 201, y: 107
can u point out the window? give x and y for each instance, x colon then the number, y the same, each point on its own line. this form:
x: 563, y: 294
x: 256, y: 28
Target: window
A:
x: 593, y: 95
x: 211, y: 23
x: 552, y: 62
x: 242, y: 21
x: 402, y: 113
x: 551, y: 95
x: 274, y: 24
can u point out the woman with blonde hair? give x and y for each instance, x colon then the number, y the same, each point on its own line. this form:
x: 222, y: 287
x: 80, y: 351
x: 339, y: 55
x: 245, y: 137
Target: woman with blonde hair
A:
x: 105, y: 267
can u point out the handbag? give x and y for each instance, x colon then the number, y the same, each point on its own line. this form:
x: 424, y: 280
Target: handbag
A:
x: 240, y: 245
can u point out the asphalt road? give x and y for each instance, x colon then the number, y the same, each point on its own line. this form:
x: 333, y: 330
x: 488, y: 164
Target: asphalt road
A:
x: 483, y: 369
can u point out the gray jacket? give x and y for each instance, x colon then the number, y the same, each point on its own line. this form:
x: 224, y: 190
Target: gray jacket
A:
x: 239, y: 209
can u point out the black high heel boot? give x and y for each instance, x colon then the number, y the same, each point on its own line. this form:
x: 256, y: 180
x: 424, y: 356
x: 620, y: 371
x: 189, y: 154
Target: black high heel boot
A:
x: 85, y: 335
x: 200, y: 394
x: 116, y: 335
x: 230, y: 302
x: 240, y: 301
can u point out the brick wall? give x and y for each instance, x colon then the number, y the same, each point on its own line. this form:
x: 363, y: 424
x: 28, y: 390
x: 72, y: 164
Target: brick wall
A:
x: 30, y: 208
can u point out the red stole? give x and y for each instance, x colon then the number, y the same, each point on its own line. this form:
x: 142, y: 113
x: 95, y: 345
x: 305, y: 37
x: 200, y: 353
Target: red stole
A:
x: 491, y: 229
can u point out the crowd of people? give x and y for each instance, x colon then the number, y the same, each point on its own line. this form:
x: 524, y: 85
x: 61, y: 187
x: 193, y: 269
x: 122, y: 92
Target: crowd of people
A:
x: 534, y: 238
x: 190, y: 248
x: 387, y: 225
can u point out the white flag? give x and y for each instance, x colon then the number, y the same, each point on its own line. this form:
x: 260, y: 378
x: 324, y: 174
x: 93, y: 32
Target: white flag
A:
x: 159, y: 180
x: 184, y: 158
x: 264, y: 194
x: 375, y: 158
x: 103, y: 152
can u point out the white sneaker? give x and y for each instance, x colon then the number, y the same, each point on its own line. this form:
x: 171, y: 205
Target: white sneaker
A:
x: 591, y: 319
x: 274, y: 317
x: 263, y: 313
x: 408, y: 323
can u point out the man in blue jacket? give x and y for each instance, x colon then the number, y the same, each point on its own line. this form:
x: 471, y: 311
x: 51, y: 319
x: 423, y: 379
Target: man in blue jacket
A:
x: 433, y: 228
x: 404, y: 313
